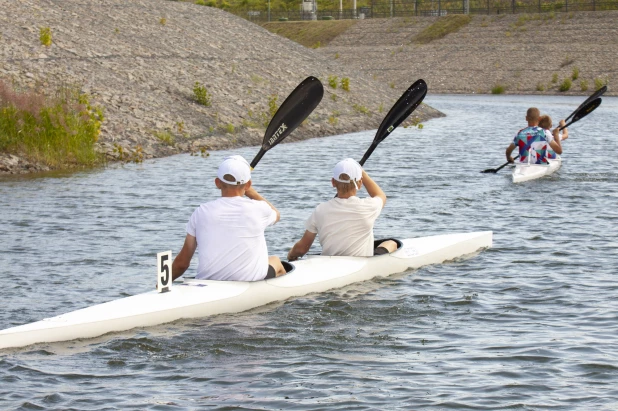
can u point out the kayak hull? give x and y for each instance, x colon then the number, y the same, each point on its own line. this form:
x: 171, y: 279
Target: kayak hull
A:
x: 527, y: 172
x: 201, y: 298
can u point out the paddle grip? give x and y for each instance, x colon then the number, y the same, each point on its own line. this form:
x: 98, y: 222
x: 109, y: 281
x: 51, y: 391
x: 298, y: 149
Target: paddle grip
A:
x: 367, y: 154
x: 257, y: 158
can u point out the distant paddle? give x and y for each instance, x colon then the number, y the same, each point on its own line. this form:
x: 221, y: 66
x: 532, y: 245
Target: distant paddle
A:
x: 293, y: 111
x: 582, y: 111
x: 407, y: 103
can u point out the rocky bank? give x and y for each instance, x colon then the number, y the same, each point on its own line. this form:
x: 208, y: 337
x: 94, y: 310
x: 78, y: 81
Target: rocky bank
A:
x: 140, y: 59
x: 523, y: 53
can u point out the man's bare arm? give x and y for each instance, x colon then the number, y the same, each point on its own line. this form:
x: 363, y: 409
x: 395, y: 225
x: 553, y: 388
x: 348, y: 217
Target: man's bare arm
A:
x: 302, y: 246
x: 183, y: 259
x: 254, y: 195
x: 509, y: 150
x: 373, y: 189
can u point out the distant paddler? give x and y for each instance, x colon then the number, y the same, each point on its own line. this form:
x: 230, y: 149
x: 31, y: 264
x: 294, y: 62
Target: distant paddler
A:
x: 532, y: 142
x: 556, y: 134
x: 229, y: 231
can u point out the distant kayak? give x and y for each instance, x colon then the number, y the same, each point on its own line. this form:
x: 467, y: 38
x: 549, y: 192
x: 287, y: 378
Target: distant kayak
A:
x: 200, y: 298
x: 526, y: 172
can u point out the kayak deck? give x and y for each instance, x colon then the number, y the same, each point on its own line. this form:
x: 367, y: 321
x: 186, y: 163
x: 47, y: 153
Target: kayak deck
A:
x: 200, y: 298
x: 526, y: 172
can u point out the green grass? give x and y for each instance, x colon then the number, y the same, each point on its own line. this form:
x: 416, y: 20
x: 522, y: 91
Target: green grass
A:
x: 45, y: 36
x: 310, y: 33
x: 361, y: 109
x: 583, y: 85
x: 598, y: 83
x: 332, y: 81
x: 442, y: 27
x: 566, y: 85
x: 345, y: 83
x: 165, y: 136
x: 59, y: 131
x: 498, y: 89
x: 201, y: 95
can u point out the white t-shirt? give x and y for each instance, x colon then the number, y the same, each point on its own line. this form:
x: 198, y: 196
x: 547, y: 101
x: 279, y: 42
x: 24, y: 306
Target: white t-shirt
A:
x: 345, y: 226
x: 230, y: 238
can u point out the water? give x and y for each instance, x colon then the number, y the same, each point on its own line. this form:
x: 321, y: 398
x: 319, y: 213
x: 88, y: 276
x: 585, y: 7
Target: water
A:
x: 529, y: 324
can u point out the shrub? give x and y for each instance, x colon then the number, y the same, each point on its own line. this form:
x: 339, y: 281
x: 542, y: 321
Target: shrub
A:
x: 59, y: 131
x: 598, y: 83
x: 361, y: 109
x: 165, y: 137
x: 498, y: 89
x: 566, y: 85
x: 272, y: 105
x: 332, y: 81
x: 583, y: 85
x: 163, y: 21
x: 200, y: 94
x: 575, y: 74
x: 442, y: 27
x: 45, y: 36
x: 200, y: 2
x: 345, y: 83
x: 336, y: 56
x: 316, y: 45
x: 540, y: 87
x: 554, y: 78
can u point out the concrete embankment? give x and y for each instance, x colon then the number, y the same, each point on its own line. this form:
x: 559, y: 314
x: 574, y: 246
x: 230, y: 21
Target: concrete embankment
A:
x: 140, y: 60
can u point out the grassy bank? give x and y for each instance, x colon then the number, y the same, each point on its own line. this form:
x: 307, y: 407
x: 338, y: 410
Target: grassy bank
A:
x: 58, y: 131
x: 310, y: 33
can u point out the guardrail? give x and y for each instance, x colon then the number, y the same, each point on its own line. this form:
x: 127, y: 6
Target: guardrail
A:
x: 386, y: 9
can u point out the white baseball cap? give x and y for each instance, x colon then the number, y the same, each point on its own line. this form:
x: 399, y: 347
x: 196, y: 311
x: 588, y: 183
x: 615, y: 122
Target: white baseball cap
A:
x: 237, y: 167
x: 350, y: 167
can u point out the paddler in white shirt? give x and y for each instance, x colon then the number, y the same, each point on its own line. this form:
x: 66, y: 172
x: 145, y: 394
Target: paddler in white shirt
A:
x: 345, y: 223
x: 229, y: 232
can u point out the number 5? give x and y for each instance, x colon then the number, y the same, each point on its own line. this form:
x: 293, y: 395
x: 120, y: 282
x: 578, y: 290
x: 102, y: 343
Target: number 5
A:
x: 164, y: 271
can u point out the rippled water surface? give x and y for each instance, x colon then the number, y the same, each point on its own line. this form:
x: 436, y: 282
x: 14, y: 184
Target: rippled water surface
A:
x: 529, y: 324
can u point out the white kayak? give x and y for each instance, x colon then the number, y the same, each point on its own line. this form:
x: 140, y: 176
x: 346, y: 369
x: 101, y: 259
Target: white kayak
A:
x: 199, y: 298
x: 526, y: 172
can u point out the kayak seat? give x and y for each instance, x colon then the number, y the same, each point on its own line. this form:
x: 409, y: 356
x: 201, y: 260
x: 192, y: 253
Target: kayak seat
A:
x: 288, y: 267
x: 376, y: 243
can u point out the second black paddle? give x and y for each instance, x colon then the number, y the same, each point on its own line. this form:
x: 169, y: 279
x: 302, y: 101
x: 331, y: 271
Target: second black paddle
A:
x: 407, y: 103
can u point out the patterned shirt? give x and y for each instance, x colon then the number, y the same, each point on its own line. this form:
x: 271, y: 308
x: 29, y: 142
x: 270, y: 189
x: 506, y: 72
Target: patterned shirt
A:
x: 551, y: 154
x: 531, y: 142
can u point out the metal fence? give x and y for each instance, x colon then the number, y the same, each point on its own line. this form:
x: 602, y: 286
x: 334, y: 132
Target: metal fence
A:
x: 386, y: 9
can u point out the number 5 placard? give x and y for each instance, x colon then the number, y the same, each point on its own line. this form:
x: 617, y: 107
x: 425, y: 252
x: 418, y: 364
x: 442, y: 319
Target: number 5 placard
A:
x: 164, y: 271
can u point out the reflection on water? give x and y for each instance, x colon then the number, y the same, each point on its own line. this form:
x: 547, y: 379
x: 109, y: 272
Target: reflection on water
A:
x: 528, y: 324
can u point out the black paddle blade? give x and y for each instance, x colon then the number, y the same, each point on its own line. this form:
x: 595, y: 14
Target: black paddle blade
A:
x: 407, y: 103
x: 594, y: 96
x: 294, y: 110
x: 584, y: 111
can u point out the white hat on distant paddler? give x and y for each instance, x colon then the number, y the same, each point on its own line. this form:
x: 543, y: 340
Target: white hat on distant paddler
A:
x: 237, y: 167
x: 350, y: 167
